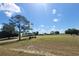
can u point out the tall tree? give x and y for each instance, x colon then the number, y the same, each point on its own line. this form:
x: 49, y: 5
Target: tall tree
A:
x: 21, y: 22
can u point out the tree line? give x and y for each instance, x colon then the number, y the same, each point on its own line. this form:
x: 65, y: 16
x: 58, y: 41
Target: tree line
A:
x: 71, y: 31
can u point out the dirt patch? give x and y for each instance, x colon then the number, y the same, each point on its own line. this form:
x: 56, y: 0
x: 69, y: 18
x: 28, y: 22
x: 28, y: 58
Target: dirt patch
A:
x: 33, y: 52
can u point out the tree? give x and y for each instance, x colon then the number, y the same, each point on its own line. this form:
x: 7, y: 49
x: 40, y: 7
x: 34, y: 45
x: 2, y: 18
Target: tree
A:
x: 8, y: 30
x: 21, y: 22
x: 52, y: 32
x: 8, y: 27
x: 57, y: 32
x: 36, y: 33
x: 72, y: 31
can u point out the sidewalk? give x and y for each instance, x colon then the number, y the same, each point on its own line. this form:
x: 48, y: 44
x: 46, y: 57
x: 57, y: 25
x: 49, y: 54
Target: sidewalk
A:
x: 10, y: 40
x: 7, y: 41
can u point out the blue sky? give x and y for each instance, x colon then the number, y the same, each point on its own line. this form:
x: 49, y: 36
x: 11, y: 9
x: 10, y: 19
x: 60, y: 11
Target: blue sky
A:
x: 48, y: 17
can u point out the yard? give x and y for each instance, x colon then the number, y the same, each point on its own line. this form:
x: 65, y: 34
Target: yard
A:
x: 49, y: 45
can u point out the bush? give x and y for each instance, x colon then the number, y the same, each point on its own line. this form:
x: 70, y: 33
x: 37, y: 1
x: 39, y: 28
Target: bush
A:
x: 4, y: 34
x: 54, y: 32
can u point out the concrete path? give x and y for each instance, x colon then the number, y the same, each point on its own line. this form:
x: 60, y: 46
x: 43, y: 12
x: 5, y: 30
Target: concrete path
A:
x: 10, y: 40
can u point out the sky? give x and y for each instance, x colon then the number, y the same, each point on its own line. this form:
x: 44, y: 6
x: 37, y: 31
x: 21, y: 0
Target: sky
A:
x: 45, y: 17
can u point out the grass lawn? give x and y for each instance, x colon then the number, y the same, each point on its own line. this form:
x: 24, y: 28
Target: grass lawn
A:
x: 54, y: 44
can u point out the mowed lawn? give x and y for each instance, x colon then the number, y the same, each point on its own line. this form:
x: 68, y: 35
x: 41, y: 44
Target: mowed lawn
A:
x: 60, y: 45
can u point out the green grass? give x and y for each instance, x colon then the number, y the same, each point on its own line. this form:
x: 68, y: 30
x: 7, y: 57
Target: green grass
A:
x: 55, y: 44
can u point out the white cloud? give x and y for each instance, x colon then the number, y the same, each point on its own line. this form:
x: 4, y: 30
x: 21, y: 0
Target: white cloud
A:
x: 8, y: 13
x: 55, y: 20
x: 54, y: 11
x: 1, y: 26
x: 9, y: 8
